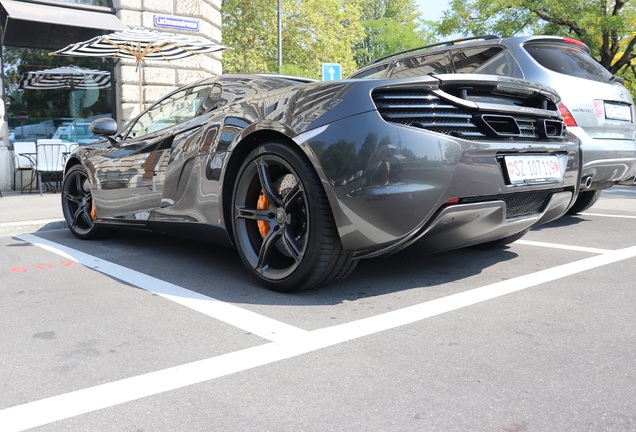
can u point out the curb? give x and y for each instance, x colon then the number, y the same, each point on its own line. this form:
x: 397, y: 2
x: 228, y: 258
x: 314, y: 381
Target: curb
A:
x: 13, y: 228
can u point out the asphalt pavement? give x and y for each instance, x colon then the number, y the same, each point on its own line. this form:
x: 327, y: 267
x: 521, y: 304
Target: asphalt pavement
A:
x: 30, y: 212
x: 143, y: 331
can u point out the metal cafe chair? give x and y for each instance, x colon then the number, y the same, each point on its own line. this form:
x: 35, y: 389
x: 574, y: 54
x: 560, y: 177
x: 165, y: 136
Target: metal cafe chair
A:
x: 24, y: 154
x: 49, y: 160
x: 71, y: 146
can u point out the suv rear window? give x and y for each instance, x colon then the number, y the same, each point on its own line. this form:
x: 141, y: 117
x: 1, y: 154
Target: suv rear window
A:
x: 568, y: 60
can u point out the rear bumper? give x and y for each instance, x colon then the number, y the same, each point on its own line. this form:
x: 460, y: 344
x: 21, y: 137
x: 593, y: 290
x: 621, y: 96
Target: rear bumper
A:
x: 461, y: 225
x: 606, y: 161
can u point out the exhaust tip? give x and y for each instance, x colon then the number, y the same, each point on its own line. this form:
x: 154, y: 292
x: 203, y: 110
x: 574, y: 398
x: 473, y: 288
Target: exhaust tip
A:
x: 586, y: 182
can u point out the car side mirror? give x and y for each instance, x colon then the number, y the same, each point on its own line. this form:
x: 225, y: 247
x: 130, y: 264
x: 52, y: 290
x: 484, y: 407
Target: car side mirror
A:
x: 103, y: 127
x: 106, y: 127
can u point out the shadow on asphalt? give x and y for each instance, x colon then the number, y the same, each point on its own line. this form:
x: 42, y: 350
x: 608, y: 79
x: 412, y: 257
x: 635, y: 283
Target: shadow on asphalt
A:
x: 218, y: 272
x: 564, y: 221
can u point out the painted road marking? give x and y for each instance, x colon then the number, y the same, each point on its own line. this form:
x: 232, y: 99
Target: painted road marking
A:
x: 563, y: 247
x: 252, y: 322
x: 56, y: 408
x: 608, y: 215
x: 620, y: 190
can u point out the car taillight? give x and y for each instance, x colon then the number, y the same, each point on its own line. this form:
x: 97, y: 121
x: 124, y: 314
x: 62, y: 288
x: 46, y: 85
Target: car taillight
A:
x: 567, y: 117
x: 599, y: 108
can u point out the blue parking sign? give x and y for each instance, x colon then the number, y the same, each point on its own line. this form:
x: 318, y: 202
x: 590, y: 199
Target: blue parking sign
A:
x: 331, y: 71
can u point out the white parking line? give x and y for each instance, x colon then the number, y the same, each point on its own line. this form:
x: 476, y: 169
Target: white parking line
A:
x: 252, y: 322
x: 620, y: 190
x: 56, y: 408
x: 562, y: 246
x: 609, y: 215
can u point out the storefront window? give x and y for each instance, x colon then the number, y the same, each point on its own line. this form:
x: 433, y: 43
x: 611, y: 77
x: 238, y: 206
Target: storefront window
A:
x: 105, y: 3
x: 61, y: 105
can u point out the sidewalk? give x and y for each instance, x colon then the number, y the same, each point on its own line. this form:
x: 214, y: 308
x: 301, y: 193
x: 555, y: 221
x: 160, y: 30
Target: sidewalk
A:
x: 25, y: 213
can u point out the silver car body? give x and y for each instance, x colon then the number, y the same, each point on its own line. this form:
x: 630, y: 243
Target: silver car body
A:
x: 601, y: 107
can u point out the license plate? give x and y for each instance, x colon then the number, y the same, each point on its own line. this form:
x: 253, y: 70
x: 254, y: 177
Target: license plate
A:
x: 533, y: 169
x: 618, y: 112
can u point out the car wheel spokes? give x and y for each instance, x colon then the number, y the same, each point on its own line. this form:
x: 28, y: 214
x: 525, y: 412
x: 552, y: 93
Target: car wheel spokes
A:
x: 266, y: 182
x: 83, y: 212
x: 267, y: 249
x: 254, y: 214
x: 78, y: 201
x: 276, y: 251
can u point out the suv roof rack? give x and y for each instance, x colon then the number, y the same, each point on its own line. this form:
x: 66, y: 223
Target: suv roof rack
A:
x: 445, y: 43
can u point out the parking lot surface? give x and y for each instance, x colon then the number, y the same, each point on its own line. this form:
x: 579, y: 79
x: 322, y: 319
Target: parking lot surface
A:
x: 146, y: 332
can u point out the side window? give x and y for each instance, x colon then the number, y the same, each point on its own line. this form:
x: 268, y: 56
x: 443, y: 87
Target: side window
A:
x: 374, y: 72
x: 438, y: 63
x: 177, y: 108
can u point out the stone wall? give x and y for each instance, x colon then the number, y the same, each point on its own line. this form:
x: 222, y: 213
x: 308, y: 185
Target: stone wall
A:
x: 159, y: 77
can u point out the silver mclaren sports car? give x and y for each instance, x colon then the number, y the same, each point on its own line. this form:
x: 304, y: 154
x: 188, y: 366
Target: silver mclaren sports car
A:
x: 304, y: 178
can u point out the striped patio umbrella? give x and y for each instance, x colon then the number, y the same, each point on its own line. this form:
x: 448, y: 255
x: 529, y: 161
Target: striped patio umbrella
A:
x: 140, y: 44
x: 65, y: 78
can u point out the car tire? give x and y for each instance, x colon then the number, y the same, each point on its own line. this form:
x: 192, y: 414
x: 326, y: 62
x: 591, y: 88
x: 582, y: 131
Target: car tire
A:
x: 584, y: 201
x: 282, y: 224
x: 77, y: 205
x: 496, y: 244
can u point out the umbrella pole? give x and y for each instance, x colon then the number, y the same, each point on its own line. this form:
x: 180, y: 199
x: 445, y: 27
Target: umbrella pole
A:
x: 140, y: 90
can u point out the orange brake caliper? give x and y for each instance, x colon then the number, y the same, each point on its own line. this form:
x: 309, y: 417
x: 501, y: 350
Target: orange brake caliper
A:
x: 262, y: 204
x: 93, y: 212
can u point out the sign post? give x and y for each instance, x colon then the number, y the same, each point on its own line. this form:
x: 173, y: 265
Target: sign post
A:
x: 331, y: 71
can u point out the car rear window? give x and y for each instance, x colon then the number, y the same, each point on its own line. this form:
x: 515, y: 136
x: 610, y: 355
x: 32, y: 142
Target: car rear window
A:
x: 374, y: 72
x: 569, y: 60
x: 439, y: 63
x: 486, y: 60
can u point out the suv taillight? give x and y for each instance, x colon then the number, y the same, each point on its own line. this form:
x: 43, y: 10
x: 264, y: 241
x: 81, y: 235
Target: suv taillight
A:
x: 599, y: 108
x: 567, y: 117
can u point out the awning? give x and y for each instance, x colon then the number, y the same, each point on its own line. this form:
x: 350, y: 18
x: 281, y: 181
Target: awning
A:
x: 51, y: 27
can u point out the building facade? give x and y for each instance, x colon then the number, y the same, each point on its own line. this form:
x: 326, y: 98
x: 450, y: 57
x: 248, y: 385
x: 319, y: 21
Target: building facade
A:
x: 31, y: 29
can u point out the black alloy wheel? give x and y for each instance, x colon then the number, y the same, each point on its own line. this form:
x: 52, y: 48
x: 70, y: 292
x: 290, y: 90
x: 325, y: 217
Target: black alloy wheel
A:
x: 77, y: 204
x: 282, y: 223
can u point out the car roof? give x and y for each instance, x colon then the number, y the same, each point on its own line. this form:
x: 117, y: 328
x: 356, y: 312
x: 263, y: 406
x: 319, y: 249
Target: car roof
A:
x: 473, y: 40
x: 412, y: 51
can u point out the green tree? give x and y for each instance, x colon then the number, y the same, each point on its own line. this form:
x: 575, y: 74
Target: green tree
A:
x: 313, y: 32
x: 250, y: 30
x: 390, y: 26
x: 606, y: 26
x: 320, y: 31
